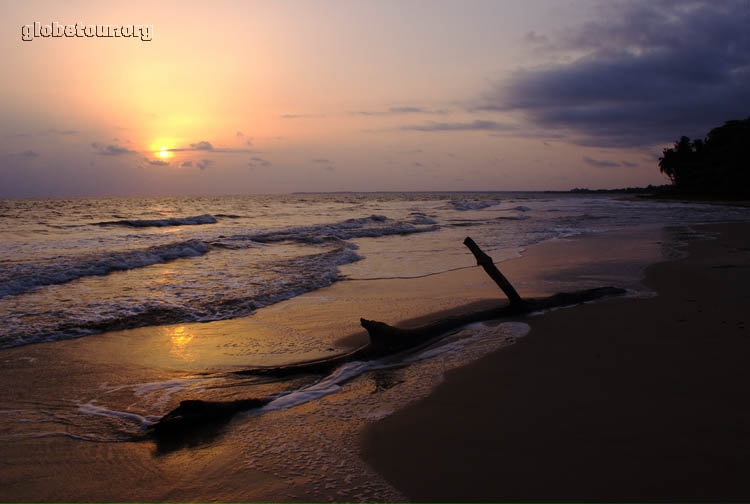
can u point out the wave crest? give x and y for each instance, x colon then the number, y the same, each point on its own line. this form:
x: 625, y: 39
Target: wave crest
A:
x: 195, y: 220
x: 463, y: 205
x: 19, y: 278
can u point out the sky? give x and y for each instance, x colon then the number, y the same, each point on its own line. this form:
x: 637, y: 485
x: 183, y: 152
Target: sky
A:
x: 241, y: 97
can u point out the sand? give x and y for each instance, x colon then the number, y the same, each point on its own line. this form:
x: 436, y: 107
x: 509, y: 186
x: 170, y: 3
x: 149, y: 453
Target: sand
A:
x: 623, y: 399
x: 310, y: 452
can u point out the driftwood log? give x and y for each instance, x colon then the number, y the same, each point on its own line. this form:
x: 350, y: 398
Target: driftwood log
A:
x: 384, y: 340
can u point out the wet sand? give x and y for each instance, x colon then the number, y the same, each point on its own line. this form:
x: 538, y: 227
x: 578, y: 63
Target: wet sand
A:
x: 619, y: 400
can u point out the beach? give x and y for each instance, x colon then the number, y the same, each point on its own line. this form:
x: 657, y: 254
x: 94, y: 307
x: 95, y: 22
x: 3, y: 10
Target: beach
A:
x: 618, y: 400
x: 76, y: 413
x: 379, y: 251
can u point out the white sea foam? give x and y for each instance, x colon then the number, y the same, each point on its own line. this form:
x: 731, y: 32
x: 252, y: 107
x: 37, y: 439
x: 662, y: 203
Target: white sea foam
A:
x: 142, y: 421
x: 159, y: 393
x: 328, y: 385
x: 468, y: 335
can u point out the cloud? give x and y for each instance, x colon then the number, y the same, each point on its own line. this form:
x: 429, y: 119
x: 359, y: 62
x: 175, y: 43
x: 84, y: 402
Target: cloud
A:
x: 629, y: 164
x: 325, y: 164
x: 207, y: 146
x: 412, y: 110
x: 600, y: 163
x: 186, y: 164
x: 534, y: 39
x: 399, y: 110
x: 477, y: 125
x: 204, y: 163
x: 29, y: 154
x: 203, y: 145
x: 53, y: 131
x: 157, y: 162
x: 645, y: 73
x: 110, y: 149
x: 301, y: 116
x: 256, y: 161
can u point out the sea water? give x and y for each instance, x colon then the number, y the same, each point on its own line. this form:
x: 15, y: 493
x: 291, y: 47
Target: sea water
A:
x: 76, y: 267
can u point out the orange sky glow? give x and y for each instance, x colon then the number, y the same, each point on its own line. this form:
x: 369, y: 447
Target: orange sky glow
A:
x: 268, y: 97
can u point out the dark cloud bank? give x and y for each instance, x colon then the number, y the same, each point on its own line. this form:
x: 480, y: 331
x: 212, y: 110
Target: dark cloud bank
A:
x: 649, y: 72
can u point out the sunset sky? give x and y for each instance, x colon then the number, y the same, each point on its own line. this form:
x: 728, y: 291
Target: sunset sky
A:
x: 234, y: 97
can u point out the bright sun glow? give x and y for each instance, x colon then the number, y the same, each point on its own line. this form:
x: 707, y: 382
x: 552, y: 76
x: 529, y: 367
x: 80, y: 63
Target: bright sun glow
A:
x: 163, y: 152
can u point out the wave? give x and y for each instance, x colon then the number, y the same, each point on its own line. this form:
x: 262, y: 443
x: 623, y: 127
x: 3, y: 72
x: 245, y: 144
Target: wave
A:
x: 209, y: 296
x: 292, y: 277
x: 364, y: 227
x: 421, y: 219
x: 463, y: 205
x: 19, y: 278
x: 467, y: 223
x: 228, y: 216
x: 195, y: 220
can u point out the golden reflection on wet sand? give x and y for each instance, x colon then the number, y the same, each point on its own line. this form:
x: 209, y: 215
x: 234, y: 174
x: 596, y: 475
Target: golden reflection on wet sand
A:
x: 180, y: 340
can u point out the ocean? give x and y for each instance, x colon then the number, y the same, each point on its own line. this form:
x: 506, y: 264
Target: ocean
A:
x: 115, y: 309
x: 76, y: 267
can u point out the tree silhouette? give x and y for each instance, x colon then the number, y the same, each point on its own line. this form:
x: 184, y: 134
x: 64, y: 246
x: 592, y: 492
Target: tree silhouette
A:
x: 718, y: 165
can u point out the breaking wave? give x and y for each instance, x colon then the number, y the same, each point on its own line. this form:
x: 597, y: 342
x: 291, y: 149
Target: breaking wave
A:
x: 195, y: 220
x: 19, y: 278
x: 204, y: 295
x: 463, y: 205
x: 22, y: 277
x: 291, y: 277
x: 365, y: 227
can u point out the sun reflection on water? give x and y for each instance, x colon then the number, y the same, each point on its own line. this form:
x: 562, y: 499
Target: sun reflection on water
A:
x: 180, y: 341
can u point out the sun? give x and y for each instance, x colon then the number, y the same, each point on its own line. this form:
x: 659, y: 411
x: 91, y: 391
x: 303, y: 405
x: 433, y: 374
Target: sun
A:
x: 163, y: 152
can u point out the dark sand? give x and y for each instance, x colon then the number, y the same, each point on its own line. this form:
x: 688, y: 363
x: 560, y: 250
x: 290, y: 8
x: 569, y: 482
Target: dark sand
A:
x: 624, y: 399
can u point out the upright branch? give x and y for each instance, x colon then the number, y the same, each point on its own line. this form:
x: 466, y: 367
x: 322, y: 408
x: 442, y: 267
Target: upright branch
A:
x: 486, y: 262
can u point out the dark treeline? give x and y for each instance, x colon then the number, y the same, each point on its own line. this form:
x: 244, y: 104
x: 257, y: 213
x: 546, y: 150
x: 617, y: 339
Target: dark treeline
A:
x: 650, y: 189
x: 718, y: 165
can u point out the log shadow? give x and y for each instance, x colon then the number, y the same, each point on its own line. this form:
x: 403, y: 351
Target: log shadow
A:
x: 195, y: 422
